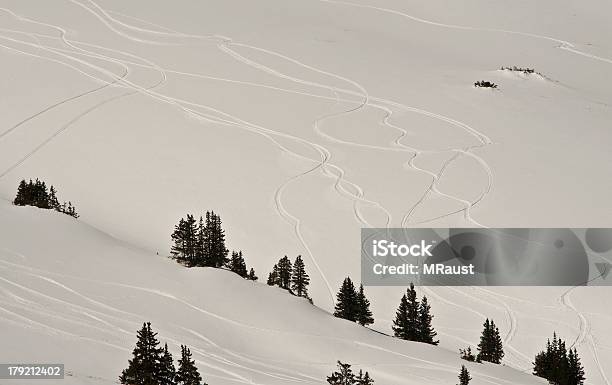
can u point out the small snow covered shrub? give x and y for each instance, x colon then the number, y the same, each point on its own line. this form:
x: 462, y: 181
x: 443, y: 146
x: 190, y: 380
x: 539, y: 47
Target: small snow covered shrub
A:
x: 485, y: 84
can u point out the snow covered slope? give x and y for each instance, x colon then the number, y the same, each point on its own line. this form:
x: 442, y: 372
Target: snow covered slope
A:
x: 72, y: 294
x: 301, y: 121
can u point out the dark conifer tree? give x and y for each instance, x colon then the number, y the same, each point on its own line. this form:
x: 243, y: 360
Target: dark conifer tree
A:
x: 166, y: 373
x: 559, y: 365
x: 201, y: 233
x: 464, y: 376
x: 185, y: 241
x: 284, y: 273
x: 237, y: 264
x: 575, y: 372
x: 143, y: 368
x: 252, y: 276
x: 364, y: 316
x: 187, y: 373
x: 53, y: 201
x: 22, y: 190
x: 406, y: 323
x: 343, y: 376
x: 273, y: 276
x: 299, y: 278
x: 215, y: 251
x: 427, y: 333
x: 347, y: 306
x: 363, y: 379
x: 490, y: 347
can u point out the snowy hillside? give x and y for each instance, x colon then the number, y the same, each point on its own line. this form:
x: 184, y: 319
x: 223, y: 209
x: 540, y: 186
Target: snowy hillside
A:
x: 77, y: 295
x: 299, y: 122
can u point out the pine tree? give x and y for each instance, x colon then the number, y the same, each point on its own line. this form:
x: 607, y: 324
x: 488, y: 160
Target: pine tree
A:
x: 53, y: 201
x: 214, y: 250
x: 201, y: 233
x: 166, y: 373
x: 490, y: 347
x: 559, y: 365
x: 20, y: 198
x: 273, y: 276
x: 299, y: 278
x: 187, y: 373
x: 346, y: 304
x: 237, y: 264
x: 575, y: 373
x: 406, y: 323
x: 363, y: 379
x: 464, y: 376
x: 252, y: 276
x: 284, y: 273
x: 144, y: 366
x: 344, y: 375
x: 427, y: 333
x: 179, y: 246
x: 364, y: 315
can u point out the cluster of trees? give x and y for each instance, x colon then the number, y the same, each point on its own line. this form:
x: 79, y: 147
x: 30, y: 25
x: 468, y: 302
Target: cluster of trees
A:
x: 490, y: 347
x: 485, y: 84
x: 153, y: 365
x: 291, y: 277
x: 238, y: 266
x: 353, y: 305
x: 519, y: 69
x: 200, y: 242
x: 38, y: 195
x: 413, y: 319
x: 559, y: 365
x: 345, y: 376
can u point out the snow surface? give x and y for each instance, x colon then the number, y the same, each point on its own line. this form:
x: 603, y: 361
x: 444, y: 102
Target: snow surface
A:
x: 299, y: 122
x: 76, y: 295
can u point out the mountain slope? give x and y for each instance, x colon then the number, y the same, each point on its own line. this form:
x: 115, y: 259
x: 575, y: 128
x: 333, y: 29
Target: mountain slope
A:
x: 74, y: 295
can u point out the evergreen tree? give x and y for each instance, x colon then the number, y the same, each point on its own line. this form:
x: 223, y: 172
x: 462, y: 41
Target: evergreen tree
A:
x: 344, y: 375
x: 185, y: 241
x: 490, y: 347
x: 273, y: 276
x: 284, y: 273
x: 464, y: 376
x: 214, y: 250
x: 559, y: 365
x: 201, y: 233
x: 53, y: 201
x: 364, y: 315
x: 346, y: 304
x: 143, y: 368
x: 427, y: 333
x: 166, y: 373
x: 187, y: 373
x: 237, y: 264
x: 406, y: 323
x: 363, y: 379
x: 299, y: 278
x: 71, y: 210
x: 22, y: 190
x: 575, y: 373
x: 252, y: 276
